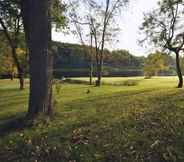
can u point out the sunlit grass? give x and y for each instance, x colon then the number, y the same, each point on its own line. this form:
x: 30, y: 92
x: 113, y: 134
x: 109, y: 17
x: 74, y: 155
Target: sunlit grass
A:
x: 114, y: 123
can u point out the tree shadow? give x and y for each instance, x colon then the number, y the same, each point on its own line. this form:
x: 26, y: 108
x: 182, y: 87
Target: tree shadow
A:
x: 14, y: 124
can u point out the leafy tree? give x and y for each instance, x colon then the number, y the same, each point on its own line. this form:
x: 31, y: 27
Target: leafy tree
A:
x: 58, y: 17
x: 155, y: 63
x: 88, y: 51
x: 103, y: 31
x: 164, y: 27
x: 11, y: 24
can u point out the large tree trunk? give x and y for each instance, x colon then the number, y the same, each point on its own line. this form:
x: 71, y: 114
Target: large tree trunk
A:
x: 37, y: 26
x: 178, y: 68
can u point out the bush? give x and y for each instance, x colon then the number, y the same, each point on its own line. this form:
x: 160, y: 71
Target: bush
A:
x: 123, y: 83
x: 72, y: 81
x: 130, y: 83
x: 148, y: 77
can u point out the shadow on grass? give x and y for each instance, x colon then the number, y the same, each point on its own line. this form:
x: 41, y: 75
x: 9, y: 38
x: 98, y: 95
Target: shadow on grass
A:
x: 14, y: 124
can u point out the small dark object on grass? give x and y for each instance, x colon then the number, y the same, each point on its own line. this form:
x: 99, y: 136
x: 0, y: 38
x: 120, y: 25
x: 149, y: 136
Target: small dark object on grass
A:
x: 88, y: 91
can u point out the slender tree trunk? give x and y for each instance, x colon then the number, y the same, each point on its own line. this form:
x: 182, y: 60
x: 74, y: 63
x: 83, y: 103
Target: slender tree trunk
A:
x: 21, y: 79
x: 11, y: 76
x: 100, y: 68
x: 99, y: 75
x: 19, y: 68
x: 98, y: 81
x: 178, y: 68
x: 91, y: 61
x: 91, y: 73
x: 36, y: 17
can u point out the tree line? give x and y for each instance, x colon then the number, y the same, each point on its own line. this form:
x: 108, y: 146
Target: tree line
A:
x: 70, y: 60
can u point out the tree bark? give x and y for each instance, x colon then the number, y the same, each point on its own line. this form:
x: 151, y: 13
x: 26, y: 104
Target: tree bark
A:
x: 178, y: 69
x: 36, y: 17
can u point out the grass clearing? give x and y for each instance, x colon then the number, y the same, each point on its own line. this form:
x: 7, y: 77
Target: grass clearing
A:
x: 140, y: 123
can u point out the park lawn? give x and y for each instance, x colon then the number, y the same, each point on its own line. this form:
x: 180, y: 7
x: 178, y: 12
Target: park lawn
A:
x: 142, y: 122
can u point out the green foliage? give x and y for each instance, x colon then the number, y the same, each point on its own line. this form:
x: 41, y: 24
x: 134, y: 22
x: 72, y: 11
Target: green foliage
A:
x: 10, y: 16
x: 123, y: 58
x: 7, y: 63
x: 163, y: 26
x: 156, y: 63
x: 58, y: 10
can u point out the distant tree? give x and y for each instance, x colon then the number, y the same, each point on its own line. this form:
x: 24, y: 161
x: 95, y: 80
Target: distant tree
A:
x: 155, y: 63
x: 102, y: 29
x: 79, y: 32
x: 165, y: 29
x: 7, y: 65
x: 100, y: 15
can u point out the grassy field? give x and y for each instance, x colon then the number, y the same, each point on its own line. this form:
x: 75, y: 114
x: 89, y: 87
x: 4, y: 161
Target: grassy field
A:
x: 126, y: 120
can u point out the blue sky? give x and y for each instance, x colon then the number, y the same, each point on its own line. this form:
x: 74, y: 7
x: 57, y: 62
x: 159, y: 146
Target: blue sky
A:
x: 130, y: 22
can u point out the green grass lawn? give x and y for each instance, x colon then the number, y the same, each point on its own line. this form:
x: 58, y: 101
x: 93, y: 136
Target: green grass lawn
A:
x: 141, y: 122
